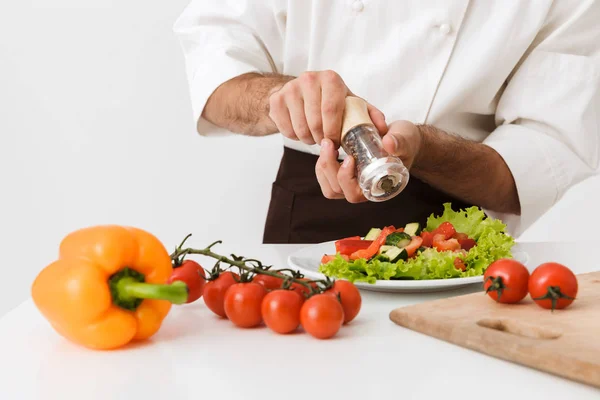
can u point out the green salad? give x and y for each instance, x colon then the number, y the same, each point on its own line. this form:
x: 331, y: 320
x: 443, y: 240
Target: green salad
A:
x: 456, y: 244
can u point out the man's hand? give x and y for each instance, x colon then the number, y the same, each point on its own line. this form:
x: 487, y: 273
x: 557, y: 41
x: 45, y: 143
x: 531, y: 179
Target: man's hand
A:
x: 402, y: 139
x: 310, y: 108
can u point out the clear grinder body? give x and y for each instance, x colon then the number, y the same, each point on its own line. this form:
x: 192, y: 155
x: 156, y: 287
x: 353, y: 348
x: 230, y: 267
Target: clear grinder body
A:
x: 380, y: 175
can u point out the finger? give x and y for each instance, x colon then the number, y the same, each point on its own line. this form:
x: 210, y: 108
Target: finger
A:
x: 328, y: 192
x: 279, y: 114
x: 295, y: 104
x: 378, y: 119
x: 333, y: 97
x: 349, y: 183
x: 311, y: 91
x: 330, y: 164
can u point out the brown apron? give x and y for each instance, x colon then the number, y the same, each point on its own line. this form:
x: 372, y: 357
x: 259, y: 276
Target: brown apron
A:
x: 299, y: 213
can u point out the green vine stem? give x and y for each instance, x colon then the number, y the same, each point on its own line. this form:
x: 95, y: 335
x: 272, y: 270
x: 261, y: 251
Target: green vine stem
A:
x: 255, y: 267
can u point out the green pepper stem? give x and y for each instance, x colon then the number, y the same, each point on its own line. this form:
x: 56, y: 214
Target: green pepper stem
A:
x: 128, y: 290
x: 176, y: 292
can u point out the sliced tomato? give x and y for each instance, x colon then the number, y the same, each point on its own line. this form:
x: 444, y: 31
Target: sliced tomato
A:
x: 427, y: 239
x: 442, y: 244
x: 446, y: 229
x: 349, y: 246
x: 373, y: 249
x: 400, y: 230
x: 467, y: 244
x: 459, y: 264
x: 460, y: 236
x: 414, y: 244
x: 330, y: 257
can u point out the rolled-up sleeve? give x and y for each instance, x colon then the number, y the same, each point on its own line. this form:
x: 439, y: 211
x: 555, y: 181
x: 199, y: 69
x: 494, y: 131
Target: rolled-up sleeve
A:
x: 222, y: 40
x: 548, y: 117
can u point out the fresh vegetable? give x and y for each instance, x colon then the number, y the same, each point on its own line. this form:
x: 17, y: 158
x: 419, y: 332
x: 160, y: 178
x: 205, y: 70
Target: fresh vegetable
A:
x: 373, y: 234
x: 322, y: 316
x: 427, y: 239
x: 349, y: 246
x: 413, y: 229
x: 483, y: 239
x: 446, y: 229
x: 373, y: 249
x: 108, y: 287
x: 442, y: 244
x: 243, y: 302
x: 192, y: 274
x: 459, y: 264
x: 215, y: 290
x: 414, y: 244
x: 399, y: 239
x: 281, y: 310
x: 553, y: 286
x: 349, y: 296
x: 269, y: 282
x: 395, y: 254
x: 506, y: 281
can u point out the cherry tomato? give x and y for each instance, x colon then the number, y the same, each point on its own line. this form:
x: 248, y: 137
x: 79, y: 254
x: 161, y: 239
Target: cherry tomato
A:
x: 506, y: 281
x: 302, y: 290
x: 214, y: 292
x: 427, y: 239
x: 349, y: 296
x: 281, y: 310
x: 414, y: 244
x: 553, y: 286
x: 446, y: 229
x: 193, y: 275
x: 459, y: 264
x: 243, y: 304
x: 443, y: 245
x: 322, y: 316
x: 269, y: 282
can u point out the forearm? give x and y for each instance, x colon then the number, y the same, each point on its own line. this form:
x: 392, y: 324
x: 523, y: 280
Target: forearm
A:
x: 472, y: 172
x: 241, y: 105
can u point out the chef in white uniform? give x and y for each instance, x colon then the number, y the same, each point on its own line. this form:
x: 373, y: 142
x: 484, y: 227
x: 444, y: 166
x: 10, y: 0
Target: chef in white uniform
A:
x: 489, y: 103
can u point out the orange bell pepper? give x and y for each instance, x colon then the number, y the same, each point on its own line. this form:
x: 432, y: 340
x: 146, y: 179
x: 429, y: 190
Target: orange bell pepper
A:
x: 107, y: 287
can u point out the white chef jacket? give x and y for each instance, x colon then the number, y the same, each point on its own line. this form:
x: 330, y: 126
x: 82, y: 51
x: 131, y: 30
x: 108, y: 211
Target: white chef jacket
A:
x: 522, y: 77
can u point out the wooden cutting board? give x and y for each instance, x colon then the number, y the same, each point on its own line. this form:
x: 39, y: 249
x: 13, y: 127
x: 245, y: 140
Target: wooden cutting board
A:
x: 565, y: 343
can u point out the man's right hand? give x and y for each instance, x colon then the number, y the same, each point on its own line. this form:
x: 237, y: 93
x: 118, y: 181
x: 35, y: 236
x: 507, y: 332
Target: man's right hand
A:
x: 310, y: 108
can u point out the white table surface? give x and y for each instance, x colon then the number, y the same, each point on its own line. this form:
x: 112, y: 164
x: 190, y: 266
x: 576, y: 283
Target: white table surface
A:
x: 196, y: 355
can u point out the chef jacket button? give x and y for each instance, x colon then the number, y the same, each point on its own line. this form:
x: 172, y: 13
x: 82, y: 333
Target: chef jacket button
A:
x: 358, y: 6
x: 445, y: 29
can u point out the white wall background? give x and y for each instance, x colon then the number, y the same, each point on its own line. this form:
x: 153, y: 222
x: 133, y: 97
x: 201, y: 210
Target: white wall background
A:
x: 95, y: 127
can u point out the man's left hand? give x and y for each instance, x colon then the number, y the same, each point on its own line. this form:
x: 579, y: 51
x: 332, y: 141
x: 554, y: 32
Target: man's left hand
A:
x: 402, y: 139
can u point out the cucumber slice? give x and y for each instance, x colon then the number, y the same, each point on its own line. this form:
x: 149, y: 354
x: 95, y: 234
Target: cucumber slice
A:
x: 396, y: 254
x: 413, y: 229
x: 381, y: 257
x: 373, y: 234
x: 384, y: 249
x: 420, y: 249
x: 399, y: 239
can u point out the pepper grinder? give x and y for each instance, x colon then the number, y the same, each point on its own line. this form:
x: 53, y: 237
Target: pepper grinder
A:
x: 380, y: 175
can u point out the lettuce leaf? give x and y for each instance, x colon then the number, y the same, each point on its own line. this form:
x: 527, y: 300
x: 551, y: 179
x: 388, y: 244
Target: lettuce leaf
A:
x: 493, y: 243
x: 471, y: 221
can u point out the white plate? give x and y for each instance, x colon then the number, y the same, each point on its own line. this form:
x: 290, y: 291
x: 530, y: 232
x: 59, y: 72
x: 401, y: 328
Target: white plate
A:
x: 308, y: 260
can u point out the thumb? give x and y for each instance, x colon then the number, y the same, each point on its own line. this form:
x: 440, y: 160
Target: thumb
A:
x: 390, y: 143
